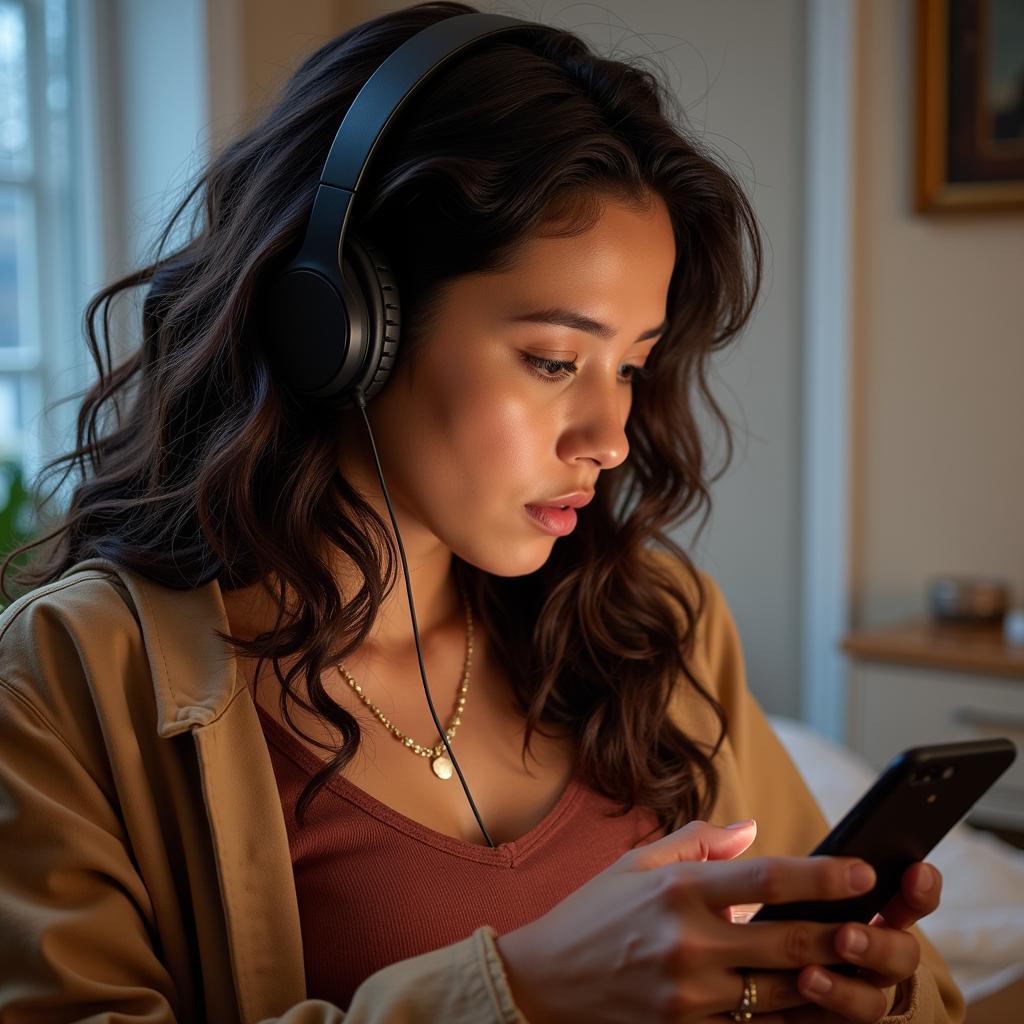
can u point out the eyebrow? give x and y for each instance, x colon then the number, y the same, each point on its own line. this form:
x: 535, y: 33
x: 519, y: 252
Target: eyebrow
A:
x: 578, y: 322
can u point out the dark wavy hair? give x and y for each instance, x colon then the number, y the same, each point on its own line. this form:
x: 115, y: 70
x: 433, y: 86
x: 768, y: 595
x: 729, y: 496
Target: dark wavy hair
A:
x: 205, y: 467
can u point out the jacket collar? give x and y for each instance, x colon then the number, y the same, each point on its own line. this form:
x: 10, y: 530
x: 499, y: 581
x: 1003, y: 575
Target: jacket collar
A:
x: 194, y: 681
x: 193, y: 670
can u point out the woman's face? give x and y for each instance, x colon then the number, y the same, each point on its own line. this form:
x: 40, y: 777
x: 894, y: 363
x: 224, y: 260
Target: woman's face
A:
x: 475, y: 433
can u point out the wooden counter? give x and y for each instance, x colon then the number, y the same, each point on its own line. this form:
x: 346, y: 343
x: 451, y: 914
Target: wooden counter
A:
x: 964, y: 648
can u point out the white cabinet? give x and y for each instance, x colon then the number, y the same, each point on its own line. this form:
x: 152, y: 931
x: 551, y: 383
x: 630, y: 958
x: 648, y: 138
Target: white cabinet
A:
x: 918, y: 684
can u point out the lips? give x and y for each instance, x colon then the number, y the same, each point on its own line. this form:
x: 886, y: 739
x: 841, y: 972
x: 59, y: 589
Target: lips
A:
x: 552, y: 520
x: 577, y: 499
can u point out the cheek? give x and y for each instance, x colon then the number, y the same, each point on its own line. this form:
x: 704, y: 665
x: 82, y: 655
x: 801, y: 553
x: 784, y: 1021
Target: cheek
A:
x: 490, y: 441
x: 502, y: 440
x: 509, y: 435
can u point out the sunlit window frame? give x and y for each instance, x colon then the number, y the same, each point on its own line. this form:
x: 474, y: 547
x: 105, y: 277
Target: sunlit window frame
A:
x: 51, y: 358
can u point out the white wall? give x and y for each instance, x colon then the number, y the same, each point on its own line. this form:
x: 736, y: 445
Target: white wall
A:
x: 740, y: 68
x: 938, y: 344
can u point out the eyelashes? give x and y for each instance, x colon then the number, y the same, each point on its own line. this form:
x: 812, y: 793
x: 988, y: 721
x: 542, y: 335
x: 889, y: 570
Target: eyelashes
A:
x: 560, y: 369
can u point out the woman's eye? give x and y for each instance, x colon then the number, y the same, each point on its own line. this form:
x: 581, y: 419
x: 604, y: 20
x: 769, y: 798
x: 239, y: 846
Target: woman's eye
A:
x: 560, y: 369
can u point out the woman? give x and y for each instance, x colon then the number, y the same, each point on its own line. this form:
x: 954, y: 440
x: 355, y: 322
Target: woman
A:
x: 183, y: 846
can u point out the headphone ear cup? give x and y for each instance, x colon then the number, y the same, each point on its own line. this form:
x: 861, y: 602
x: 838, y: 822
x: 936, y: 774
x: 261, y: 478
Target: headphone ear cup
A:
x: 330, y: 336
x: 380, y: 301
x: 311, y: 332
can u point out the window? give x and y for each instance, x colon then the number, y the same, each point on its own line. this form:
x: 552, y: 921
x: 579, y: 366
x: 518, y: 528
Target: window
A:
x: 39, y: 326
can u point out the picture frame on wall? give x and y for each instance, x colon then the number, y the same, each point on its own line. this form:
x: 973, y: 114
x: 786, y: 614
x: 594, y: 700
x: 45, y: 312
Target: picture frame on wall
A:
x: 970, y: 105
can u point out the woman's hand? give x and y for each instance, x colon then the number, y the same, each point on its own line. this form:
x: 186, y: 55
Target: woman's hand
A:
x: 890, y: 954
x: 650, y: 938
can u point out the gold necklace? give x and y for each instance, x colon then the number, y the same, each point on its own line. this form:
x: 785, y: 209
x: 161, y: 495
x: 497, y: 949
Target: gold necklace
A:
x: 441, y: 765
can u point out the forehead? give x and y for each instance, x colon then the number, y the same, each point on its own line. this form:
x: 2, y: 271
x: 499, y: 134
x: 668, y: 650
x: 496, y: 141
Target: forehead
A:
x: 620, y: 247
x: 617, y: 271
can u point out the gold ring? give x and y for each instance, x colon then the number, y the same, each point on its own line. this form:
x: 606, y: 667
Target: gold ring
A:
x: 745, y: 1011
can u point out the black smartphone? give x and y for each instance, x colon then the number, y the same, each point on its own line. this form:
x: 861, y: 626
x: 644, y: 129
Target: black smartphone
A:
x: 918, y: 798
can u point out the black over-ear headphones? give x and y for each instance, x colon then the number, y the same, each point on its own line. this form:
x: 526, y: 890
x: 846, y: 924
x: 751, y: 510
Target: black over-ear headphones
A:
x: 335, y: 311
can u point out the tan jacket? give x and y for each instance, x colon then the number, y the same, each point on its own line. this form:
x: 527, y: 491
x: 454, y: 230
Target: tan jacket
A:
x: 145, y: 872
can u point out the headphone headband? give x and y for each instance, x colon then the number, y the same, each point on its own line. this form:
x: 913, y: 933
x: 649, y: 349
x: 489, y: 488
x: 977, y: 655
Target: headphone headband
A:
x: 400, y: 77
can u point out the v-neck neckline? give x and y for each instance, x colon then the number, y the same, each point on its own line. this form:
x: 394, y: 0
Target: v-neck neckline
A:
x: 506, y: 853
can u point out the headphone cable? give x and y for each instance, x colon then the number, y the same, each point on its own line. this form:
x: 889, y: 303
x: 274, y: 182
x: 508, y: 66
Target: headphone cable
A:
x: 361, y: 403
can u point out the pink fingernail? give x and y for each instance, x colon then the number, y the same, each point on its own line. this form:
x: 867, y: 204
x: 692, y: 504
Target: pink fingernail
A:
x: 856, y: 941
x: 819, y: 982
x: 741, y: 824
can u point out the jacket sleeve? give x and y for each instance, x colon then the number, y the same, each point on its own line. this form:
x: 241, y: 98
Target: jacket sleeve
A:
x: 75, y: 931
x: 463, y: 983
x: 79, y: 939
x: 759, y: 780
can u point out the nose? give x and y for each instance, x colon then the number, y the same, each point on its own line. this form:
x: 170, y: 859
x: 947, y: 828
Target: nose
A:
x: 598, y: 428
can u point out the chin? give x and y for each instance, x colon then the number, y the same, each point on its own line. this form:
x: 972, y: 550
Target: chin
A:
x: 531, y: 557
x: 514, y: 560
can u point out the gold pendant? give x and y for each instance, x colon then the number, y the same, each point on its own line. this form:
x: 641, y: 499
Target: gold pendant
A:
x: 442, y: 767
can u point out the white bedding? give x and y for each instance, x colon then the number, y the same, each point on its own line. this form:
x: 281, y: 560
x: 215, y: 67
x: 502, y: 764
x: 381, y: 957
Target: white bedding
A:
x: 979, y: 925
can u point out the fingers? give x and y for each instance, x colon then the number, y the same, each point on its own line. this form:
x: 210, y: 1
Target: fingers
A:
x: 770, y: 992
x: 769, y: 880
x: 774, y: 945
x: 890, y: 955
x: 809, y: 1013
x: 919, y: 895
x: 787, y: 954
x: 775, y: 991
x: 887, y: 955
x: 851, y: 999
x: 695, y: 841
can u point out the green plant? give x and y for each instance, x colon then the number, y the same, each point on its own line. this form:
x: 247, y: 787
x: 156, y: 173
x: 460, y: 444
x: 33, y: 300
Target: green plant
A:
x: 16, y: 523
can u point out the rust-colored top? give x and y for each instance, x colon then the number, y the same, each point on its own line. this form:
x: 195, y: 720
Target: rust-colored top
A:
x: 375, y: 886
